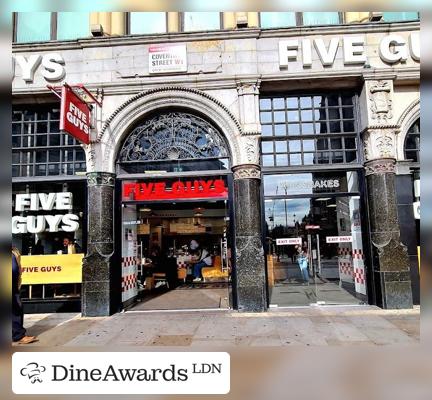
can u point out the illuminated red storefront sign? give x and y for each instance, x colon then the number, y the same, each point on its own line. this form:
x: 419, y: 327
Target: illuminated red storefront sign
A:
x: 74, y: 115
x: 195, y: 189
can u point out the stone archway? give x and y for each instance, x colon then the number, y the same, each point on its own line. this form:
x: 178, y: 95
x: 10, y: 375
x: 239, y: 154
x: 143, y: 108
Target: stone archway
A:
x: 249, y: 281
x: 136, y: 108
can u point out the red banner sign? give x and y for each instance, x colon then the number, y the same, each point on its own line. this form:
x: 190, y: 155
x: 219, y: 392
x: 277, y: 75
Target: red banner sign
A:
x: 196, y: 189
x: 74, y: 115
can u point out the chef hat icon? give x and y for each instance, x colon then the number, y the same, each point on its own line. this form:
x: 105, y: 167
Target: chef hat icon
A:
x: 33, y: 371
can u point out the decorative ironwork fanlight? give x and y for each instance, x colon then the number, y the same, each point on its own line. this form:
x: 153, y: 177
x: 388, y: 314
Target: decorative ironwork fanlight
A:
x: 173, y: 136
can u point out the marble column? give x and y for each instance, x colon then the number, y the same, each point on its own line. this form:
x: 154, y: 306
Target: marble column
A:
x: 390, y: 257
x: 391, y: 262
x: 250, y: 267
x: 96, y: 286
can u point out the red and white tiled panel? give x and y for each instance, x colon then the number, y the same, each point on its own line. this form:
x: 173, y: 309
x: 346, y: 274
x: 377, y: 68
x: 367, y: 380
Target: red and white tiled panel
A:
x: 345, y: 270
x: 130, y: 261
x: 358, y: 254
x: 129, y: 277
x: 359, y: 272
x: 344, y: 251
x: 129, y: 282
x: 359, y: 276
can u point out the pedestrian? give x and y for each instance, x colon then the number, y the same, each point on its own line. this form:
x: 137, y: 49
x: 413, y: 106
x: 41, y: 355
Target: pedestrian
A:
x: 18, y: 331
x: 302, y: 259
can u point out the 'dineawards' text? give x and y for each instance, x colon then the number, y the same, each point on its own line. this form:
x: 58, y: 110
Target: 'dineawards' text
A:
x: 112, y: 374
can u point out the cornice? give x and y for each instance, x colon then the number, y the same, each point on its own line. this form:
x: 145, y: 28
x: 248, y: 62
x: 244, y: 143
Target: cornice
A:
x: 225, y: 34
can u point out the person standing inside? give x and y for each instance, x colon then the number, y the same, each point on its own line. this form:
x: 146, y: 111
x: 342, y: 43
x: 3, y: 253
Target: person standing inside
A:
x: 302, y: 259
x: 69, y: 247
x: 38, y: 249
x: 18, y: 331
x: 203, y: 259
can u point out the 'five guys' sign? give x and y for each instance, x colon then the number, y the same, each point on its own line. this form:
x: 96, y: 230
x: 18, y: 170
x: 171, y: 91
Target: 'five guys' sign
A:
x: 74, y: 115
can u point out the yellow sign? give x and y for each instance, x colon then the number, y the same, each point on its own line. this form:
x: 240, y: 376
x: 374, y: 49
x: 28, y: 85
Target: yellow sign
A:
x: 64, y: 268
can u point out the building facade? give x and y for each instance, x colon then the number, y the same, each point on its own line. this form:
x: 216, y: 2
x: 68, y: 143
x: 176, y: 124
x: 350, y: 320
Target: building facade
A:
x: 298, y: 133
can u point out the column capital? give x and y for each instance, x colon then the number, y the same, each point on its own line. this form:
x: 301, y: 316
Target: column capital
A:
x: 380, y: 142
x: 381, y: 166
x: 100, y: 179
x: 247, y: 171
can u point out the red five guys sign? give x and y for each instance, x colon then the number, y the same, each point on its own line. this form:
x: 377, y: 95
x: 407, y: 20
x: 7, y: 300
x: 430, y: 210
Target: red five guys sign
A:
x: 181, y: 189
x: 74, y: 115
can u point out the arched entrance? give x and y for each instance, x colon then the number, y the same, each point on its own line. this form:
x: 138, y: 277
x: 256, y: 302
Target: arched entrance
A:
x: 211, y: 146
x: 174, y: 178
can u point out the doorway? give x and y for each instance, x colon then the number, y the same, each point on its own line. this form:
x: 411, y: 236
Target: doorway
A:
x: 315, y: 251
x: 176, y: 252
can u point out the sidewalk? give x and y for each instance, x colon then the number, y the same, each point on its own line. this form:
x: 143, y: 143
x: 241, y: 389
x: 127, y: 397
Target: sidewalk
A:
x: 361, y: 325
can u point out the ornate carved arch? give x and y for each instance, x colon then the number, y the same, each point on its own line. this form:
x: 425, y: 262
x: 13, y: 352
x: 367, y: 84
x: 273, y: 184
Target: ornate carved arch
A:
x: 173, y: 135
x: 137, y: 107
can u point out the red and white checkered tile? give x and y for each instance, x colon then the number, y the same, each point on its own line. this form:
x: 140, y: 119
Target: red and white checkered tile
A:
x: 129, y: 277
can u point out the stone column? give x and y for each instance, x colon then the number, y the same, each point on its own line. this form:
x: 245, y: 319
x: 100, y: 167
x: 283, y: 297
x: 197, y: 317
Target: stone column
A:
x: 250, y: 266
x: 390, y: 256
x: 96, y: 286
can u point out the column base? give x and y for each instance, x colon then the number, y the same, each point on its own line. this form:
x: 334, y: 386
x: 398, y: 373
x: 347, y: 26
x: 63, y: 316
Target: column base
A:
x: 96, y: 293
x: 396, y: 289
x: 251, y: 289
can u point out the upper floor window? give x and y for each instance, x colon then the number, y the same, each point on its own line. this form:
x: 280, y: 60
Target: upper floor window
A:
x: 286, y: 19
x: 38, y: 146
x: 147, y: 22
x: 44, y: 26
x: 400, y: 16
x: 277, y: 19
x: 308, y: 130
x: 412, y: 142
x: 33, y: 26
x: 321, y: 18
x: 201, y: 21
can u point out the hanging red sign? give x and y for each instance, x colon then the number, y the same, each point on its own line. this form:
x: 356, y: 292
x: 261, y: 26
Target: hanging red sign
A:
x: 74, y: 115
x: 196, y: 189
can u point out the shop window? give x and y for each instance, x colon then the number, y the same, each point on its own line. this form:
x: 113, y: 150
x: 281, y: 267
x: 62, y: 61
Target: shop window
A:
x: 39, y: 149
x: 44, y: 26
x: 400, y: 16
x: 310, y: 129
x: 412, y: 143
x: 201, y: 21
x: 147, y: 22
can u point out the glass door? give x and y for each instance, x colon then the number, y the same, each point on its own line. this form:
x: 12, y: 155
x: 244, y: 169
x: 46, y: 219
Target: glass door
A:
x: 314, y: 251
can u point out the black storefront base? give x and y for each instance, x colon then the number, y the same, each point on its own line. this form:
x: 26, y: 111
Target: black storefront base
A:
x: 52, y: 306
